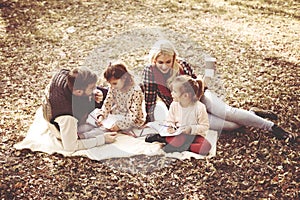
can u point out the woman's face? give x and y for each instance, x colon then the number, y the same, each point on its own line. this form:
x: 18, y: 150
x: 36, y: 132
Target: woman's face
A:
x: 164, y: 63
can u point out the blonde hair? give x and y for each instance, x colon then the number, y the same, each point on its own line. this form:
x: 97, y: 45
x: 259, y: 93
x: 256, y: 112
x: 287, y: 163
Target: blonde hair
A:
x: 194, y: 87
x: 165, y: 47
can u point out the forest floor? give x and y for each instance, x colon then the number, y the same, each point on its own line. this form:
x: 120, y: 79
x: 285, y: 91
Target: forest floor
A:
x: 256, y: 44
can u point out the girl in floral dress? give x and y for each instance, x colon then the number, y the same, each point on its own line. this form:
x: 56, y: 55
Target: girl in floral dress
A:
x: 124, y: 99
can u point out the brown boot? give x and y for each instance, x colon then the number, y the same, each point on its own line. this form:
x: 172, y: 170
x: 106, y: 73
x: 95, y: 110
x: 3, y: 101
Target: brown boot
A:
x: 264, y: 113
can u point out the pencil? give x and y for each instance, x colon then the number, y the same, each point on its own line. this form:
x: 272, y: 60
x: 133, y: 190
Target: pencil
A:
x: 169, y: 126
x: 93, y: 116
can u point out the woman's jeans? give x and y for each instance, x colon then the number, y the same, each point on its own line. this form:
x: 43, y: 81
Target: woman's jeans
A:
x: 224, y: 117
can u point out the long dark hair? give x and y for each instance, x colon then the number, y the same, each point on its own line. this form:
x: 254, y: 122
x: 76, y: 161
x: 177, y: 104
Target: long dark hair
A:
x: 118, y: 70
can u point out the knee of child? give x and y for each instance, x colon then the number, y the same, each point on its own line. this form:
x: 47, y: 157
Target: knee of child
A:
x: 176, y: 141
x: 201, y: 148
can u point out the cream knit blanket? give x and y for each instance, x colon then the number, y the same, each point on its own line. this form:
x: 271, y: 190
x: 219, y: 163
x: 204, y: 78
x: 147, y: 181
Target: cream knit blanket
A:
x: 42, y: 138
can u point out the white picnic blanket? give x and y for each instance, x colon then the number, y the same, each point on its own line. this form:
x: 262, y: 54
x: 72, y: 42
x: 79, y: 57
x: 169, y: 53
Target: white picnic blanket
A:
x: 40, y: 138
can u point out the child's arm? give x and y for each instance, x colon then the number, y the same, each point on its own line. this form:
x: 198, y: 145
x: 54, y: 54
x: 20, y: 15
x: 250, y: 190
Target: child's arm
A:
x: 98, y: 95
x: 171, y: 118
x: 202, y: 125
x: 106, y: 108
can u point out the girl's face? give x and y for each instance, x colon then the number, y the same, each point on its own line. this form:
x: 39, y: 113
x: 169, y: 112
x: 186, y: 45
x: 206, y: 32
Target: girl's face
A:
x: 176, y: 93
x: 117, y: 83
x: 164, y: 63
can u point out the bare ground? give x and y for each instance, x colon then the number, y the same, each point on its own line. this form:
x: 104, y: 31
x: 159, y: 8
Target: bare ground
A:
x: 256, y: 44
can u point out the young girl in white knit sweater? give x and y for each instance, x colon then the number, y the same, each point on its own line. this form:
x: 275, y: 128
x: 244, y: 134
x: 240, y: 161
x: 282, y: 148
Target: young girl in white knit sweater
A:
x: 187, y: 114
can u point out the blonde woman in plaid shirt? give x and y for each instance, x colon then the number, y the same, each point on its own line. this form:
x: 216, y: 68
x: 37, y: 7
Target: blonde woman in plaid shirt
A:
x: 165, y: 65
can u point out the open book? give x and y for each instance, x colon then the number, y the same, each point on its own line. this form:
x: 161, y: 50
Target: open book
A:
x: 111, y: 120
x: 107, y: 122
x: 153, y: 128
x: 162, y: 129
x: 92, y: 117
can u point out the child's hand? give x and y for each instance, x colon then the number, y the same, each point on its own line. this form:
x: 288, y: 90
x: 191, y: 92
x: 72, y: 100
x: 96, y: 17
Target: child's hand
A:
x: 171, y: 130
x: 99, y: 121
x: 114, y: 128
x: 98, y: 95
x: 110, y: 137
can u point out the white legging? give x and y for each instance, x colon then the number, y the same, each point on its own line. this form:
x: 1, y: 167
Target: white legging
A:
x: 221, y: 116
x: 224, y: 117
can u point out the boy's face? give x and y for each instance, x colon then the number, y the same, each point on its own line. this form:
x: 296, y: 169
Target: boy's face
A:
x: 87, y: 92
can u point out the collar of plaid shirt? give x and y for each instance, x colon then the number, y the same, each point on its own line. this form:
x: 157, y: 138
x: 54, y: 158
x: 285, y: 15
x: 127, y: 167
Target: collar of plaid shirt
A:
x: 161, y: 82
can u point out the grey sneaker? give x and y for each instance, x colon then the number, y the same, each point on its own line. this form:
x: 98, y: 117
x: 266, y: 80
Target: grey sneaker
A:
x: 264, y: 113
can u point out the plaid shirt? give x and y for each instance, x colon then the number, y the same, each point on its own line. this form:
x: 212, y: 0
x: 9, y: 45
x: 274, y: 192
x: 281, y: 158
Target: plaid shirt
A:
x: 152, y: 90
